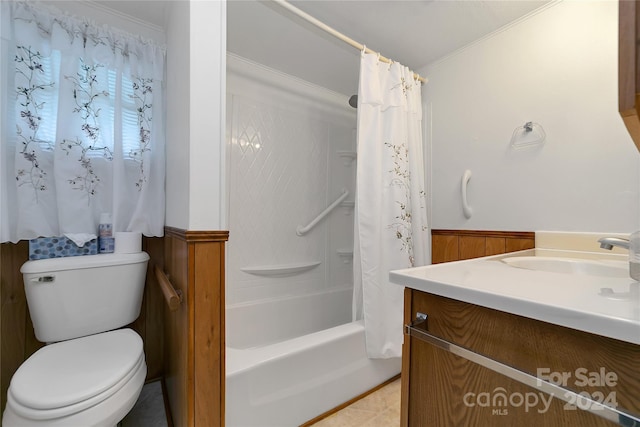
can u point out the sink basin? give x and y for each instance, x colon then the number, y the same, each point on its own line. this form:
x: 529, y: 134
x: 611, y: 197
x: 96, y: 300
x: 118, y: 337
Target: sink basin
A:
x: 604, y: 268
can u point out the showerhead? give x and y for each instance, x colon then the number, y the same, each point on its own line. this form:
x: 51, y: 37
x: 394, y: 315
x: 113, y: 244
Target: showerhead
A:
x: 353, y: 101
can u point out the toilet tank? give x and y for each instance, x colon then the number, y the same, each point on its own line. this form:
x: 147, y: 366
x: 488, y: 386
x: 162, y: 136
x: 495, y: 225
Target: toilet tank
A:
x: 72, y: 297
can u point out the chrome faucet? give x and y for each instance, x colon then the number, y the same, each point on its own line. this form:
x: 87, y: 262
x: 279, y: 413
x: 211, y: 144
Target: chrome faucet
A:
x: 610, y: 242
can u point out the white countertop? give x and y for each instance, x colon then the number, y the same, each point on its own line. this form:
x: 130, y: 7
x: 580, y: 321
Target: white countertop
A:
x: 572, y: 300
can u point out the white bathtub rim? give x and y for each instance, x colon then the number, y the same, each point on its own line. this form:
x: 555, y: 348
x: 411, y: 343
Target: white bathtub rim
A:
x: 242, y: 360
x: 288, y: 297
x: 264, y: 322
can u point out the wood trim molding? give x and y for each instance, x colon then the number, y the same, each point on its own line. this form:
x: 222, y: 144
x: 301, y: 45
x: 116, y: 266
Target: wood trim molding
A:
x: 405, y: 373
x: 628, y: 67
x: 190, y: 236
x: 486, y: 233
x: 349, y: 402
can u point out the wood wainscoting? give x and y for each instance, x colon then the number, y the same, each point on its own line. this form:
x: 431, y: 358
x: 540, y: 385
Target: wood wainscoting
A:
x: 194, y: 333
x: 455, y: 245
x: 17, y: 339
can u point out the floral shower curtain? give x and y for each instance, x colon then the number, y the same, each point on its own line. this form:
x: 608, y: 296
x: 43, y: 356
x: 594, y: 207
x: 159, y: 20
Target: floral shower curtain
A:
x: 84, y: 130
x: 391, y: 222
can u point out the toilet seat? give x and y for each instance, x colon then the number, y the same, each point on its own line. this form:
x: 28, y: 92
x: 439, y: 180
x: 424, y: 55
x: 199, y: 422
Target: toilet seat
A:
x: 69, y: 377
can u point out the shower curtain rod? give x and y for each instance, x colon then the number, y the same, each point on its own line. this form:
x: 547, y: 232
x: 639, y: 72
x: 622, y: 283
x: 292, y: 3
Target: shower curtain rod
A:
x: 285, y: 4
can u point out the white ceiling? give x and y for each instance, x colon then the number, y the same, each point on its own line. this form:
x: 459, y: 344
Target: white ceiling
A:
x: 415, y: 32
x: 152, y: 11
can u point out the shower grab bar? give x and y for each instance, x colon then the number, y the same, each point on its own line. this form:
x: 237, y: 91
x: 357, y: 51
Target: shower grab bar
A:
x: 172, y: 296
x: 617, y: 416
x: 301, y: 231
x: 466, y: 209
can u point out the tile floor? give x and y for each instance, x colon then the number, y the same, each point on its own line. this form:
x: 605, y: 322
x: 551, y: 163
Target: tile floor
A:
x: 379, y: 409
x: 148, y: 410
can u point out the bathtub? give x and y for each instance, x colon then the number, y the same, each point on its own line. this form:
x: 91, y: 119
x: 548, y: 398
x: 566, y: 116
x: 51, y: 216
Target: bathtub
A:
x: 282, y: 380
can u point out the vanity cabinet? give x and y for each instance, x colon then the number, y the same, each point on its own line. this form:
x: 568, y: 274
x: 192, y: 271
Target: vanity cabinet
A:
x: 441, y: 389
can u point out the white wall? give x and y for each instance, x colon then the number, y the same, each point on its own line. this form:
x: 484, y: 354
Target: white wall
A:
x: 196, y: 48
x: 207, y: 115
x: 558, y: 68
x: 284, y: 142
x: 178, y: 131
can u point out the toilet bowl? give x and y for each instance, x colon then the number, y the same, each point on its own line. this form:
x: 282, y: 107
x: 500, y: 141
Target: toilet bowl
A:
x: 89, y: 381
x: 92, y: 372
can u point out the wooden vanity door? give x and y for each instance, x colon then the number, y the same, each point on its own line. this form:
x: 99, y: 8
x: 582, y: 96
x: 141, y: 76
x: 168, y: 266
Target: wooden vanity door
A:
x: 442, y: 389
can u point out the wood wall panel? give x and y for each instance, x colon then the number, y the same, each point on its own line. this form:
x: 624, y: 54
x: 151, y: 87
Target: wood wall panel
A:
x: 195, y: 350
x: 455, y: 245
x: 209, y: 334
x: 17, y: 337
x: 444, y: 248
x: 519, y: 244
x: 178, y: 365
x: 495, y: 246
x: 152, y: 311
x: 471, y: 247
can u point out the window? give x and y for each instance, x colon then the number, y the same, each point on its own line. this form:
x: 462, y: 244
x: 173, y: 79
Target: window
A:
x: 81, y: 141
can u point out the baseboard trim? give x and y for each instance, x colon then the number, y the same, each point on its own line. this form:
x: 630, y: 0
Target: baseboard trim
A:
x: 349, y: 402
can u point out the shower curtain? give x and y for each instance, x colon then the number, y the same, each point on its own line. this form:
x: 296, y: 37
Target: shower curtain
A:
x: 390, y: 218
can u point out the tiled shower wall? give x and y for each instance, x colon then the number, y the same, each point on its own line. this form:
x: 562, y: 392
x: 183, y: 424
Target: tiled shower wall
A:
x: 287, y: 163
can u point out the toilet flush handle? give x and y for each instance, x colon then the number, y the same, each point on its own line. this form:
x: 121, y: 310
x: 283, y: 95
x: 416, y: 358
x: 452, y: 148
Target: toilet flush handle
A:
x: 44, y: 279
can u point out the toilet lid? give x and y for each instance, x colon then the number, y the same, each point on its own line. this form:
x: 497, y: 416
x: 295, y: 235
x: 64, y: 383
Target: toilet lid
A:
x: 69, y: 372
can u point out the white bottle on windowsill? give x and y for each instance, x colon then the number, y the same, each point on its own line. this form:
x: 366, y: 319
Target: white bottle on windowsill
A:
x: 106, y: 242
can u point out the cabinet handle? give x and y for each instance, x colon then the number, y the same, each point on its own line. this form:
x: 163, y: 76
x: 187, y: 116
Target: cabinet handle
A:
x: 417, y: 329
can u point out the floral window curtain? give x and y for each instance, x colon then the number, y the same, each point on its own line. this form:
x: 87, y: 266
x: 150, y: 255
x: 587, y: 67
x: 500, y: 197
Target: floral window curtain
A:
x: 85, y: 132
x: 390, y: 216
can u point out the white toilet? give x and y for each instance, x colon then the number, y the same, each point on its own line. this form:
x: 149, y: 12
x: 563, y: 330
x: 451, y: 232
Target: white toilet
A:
x: 87, y: 376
